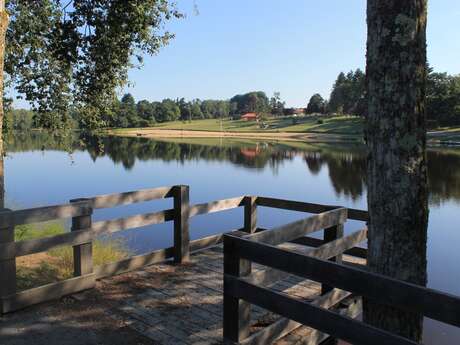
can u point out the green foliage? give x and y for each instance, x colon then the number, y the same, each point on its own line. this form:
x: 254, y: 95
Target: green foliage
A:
x: 276, y: 105
x: 19, y: 119
x: 256, y: 101
x: 78, y: 52
x: 443, y: 98
x: 316, y: 104
x: 348, y: 94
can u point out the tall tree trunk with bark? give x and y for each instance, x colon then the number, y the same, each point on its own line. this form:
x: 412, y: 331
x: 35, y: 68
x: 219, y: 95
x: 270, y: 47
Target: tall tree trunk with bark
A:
x: 3, y: 27
x: 396, y: 139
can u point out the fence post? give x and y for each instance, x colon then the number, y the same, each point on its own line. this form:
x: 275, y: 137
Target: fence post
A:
x: 8, y: 266
x: 237, y: 312
x: 331, y: 234
x: 82, y: 253
x: 250, y: 214
x: 181, y: 224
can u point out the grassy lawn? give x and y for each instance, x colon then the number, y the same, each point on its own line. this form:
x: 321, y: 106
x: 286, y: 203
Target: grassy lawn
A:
x: 351, y: 126
x: 334, y: 125
x: 57, y: 264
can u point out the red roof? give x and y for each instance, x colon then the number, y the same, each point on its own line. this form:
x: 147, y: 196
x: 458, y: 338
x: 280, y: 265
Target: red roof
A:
x: 249, y: 116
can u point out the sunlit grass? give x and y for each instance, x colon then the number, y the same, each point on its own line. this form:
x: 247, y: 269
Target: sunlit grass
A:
x: 57, y: 264
x: 325, y: 124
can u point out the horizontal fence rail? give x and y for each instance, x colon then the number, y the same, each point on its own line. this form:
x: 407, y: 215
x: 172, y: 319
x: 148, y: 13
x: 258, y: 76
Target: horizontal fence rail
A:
x: 117, y: 199
x: 323, y: 264
x: 84, y: 232
x: 43, y: 214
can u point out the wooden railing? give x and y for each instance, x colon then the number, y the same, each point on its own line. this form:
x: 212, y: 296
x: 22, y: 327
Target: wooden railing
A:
x: 84, y: 232
x: 323, y: 264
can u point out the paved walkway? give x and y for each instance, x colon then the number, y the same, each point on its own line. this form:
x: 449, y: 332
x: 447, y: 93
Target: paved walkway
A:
x: 160, y: 304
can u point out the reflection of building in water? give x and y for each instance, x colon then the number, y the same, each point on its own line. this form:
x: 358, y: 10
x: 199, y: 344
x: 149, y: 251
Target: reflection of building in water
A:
x: 249, y: 117
x: 346, y: 165
x: 250, y: 152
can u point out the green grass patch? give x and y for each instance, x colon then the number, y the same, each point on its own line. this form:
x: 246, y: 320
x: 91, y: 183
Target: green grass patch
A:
x: 57, y: 264
x: 351, y: 125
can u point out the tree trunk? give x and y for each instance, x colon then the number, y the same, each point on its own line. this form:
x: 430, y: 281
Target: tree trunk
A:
x: 396, y: 139
x: 3, y: 27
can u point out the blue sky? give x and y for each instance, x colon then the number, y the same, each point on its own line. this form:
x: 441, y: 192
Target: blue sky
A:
x: 296, y: 47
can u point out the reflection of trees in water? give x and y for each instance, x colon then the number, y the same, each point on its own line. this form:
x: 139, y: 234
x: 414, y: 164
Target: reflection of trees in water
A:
x: 127, y: 150
x: 347, y: 170
x: 346, y: 166
x: 443, y: 175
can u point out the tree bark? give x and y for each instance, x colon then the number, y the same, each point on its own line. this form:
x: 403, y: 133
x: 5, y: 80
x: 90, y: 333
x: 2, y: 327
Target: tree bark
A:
x: 396, y: 140
x: 3, y: 27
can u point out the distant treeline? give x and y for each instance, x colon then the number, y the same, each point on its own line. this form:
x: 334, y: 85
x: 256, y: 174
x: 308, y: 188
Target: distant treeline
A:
x: 348, y: 96
x: 126, y: 112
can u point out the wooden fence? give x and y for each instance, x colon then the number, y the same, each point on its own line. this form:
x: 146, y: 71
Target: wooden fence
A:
x: 322, y: 264
x: 84, y: 231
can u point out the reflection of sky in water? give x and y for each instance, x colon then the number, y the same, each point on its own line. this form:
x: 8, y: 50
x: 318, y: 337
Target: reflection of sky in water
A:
x: 50, y: 177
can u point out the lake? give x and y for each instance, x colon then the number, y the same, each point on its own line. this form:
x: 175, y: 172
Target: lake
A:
x: 42, y: 170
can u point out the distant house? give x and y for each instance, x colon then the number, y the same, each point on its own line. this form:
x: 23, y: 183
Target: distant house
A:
x: 299, y: 111
x: 249, y: 117
x: 294, y: 111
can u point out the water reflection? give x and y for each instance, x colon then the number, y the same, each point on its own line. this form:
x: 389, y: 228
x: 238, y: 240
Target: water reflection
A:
x: 324, y: 173
x: 346, y: 164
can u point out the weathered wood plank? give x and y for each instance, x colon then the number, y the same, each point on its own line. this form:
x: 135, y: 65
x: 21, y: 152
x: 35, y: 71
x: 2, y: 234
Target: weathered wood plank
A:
x: 301, y: 227
x: 310, y: 336
x: 237, y: 313
x: 133, y: 263
x: 284, y: 326
x: 110, y: 200
x: 13, y: 249
x: 300, y: 206
x: 216, y: 206
x: 47, y: 292
x: 137, y: 221
x: 331, y: 235
x: 43, y: 214
x: 339, y: 246
x: 7, y: 266
x: 433, y: 304
x: 270, y: 276
x: 82, y: 253
x: 359, y: 252
x: 209, y: 241
x: 328, y: 322
x: 250, y: 214
x: 181, y: 224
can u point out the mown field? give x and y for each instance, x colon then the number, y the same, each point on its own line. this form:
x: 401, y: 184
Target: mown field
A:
x: 333, y: 125
x: 350, y: 126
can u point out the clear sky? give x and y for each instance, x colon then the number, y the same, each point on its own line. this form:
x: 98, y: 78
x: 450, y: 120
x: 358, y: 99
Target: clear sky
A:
x: 296, y: 47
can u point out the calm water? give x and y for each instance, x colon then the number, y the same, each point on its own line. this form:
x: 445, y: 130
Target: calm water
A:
x: 43, y: 170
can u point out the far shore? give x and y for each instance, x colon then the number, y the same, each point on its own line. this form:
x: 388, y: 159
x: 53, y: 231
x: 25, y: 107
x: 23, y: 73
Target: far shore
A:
x: 434, y: 137
x: 284, y: 136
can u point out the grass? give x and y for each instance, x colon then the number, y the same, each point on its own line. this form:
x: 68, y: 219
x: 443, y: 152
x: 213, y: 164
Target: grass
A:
x: 345, y: 126
x: 315, y: 124
x: 57, y: 264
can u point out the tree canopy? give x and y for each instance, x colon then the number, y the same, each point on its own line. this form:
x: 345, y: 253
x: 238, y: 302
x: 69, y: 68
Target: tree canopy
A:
x: 256, y: 101
x: 348, y: 93
x: 317, y: 104
x: 76, y: 53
